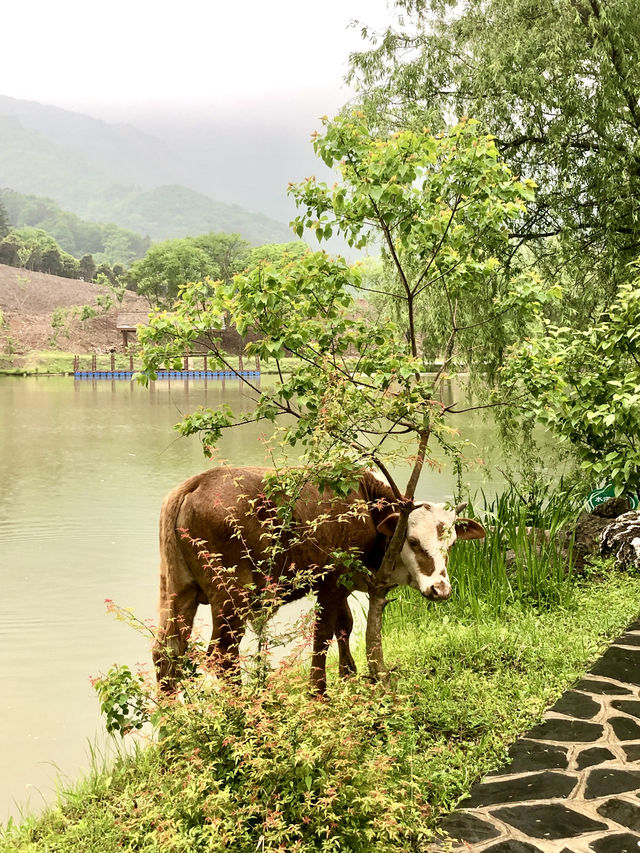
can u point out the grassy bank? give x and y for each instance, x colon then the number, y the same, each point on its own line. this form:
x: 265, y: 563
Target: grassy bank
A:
x: 368, y: 769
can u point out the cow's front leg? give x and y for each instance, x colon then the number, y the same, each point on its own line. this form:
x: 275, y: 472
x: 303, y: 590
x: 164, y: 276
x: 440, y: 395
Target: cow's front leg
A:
x: 227, y: 632
x: 344, y: 626
x: 323, y: 630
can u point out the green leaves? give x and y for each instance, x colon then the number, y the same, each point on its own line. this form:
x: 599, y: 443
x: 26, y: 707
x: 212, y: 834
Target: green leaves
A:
x: 123, y: 700
x: 585, y: 385
x: 440, y: 206
x: 559, y: 88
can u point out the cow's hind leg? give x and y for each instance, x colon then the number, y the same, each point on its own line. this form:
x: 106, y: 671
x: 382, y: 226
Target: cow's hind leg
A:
x: 177, y: 612
x: 344, y: 626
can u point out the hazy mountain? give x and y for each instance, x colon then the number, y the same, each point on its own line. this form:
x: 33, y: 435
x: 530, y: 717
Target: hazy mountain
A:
x: 30, y: 163
x: 116, y: 151
x: 176, y: 211
x: 113, y: 173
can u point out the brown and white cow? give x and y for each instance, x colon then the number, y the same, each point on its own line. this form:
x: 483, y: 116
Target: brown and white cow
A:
x: 224, y: 513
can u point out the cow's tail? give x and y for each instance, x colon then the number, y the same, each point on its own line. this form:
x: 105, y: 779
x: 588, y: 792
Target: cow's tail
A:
x: 176, y: 583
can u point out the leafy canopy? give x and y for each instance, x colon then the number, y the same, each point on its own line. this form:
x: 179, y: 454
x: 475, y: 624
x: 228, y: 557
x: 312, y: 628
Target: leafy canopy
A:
x: 440, y: 205
x: 167, y: 266
x: 558, y: 83
x: 586, y: 387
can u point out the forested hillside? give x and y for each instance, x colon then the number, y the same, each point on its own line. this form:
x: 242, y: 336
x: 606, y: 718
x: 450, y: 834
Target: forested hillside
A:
x: 113, y: 173
x: 175, y: 211
x: 78, y: 237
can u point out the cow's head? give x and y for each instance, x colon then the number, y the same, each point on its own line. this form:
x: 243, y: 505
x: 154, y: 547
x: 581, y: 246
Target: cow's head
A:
x: 431, y: 531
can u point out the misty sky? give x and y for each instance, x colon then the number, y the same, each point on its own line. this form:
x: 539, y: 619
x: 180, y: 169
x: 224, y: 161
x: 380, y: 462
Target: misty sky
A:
x: 118, y: 57
x: 236, y: 88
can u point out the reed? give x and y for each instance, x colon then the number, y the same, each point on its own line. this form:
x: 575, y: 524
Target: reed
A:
x: 525, y: 561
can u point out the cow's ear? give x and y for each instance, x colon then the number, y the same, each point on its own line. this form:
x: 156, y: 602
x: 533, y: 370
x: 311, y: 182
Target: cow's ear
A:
x: 468, y: 528
x: 388, y: 525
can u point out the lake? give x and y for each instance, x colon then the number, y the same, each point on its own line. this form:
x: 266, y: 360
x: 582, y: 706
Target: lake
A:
x: 84, y: 467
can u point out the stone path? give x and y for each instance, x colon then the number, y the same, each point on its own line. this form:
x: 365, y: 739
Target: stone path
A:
x: 573, y: 782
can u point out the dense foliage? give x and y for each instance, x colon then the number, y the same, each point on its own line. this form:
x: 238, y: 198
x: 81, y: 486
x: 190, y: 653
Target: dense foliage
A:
x: 34, y: 249
x: 168, y: 266
x: 558, y: 83
x: 585, y: 385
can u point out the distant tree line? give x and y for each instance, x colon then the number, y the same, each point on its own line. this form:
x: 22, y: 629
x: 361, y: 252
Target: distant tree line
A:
x: 34, y: 249
x: 219, y: 257
x: 107, y: 243
x: 158, y: 275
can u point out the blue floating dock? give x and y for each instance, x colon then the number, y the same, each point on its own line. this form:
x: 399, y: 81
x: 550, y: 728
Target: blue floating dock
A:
x: 165, y: 374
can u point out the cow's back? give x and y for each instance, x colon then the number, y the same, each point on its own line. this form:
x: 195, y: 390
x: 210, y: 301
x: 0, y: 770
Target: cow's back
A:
x: 225, y: 512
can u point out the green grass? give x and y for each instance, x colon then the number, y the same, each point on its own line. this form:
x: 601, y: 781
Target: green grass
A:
x: 368, y: 769
x: 60, y: 362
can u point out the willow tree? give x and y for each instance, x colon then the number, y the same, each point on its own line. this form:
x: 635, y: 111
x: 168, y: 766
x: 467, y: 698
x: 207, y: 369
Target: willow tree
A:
x: 442, y: 207
x: 558, y: 83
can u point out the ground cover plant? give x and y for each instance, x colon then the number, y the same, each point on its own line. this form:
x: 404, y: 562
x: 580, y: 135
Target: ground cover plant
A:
x: 267, y: 767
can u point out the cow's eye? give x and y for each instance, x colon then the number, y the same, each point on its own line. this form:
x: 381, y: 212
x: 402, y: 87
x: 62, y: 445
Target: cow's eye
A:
x: 413, y: 541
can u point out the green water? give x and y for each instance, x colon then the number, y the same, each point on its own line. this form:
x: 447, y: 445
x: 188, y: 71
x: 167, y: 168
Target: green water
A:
x: 84, y: 467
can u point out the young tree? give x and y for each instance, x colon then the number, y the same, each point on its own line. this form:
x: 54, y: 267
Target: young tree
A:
x: 441, y: 206
x: 558, y: 83
x: 167, y: 266
x: 228, y: 252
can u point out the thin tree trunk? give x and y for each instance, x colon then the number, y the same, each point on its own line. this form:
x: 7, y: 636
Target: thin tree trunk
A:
x: 378, y: 599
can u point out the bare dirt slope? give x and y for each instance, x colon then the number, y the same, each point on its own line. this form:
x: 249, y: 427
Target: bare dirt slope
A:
x: 28, y: 301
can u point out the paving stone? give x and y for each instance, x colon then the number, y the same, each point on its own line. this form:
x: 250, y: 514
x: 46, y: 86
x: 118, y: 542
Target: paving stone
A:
x: 511, y: 845
x: 468, y: 827
x: 577, y: 705
x: 628, y: 640
x: 622, y: 812
x: 632, y: 751
x: 535, y: 786
x: 575, y: 731
x: 528, y: 755
x: 550, y: 821
x: 602, y: 782
x: 621, y: 664
x: 623, y: 843
x: 625, y: 728
x: 595, y: 755
x: 594, y: 685
x: 628, y: 706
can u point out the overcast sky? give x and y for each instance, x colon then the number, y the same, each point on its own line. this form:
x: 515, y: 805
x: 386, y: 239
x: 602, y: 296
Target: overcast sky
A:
x: 235, y: 88
x: 113, y: 59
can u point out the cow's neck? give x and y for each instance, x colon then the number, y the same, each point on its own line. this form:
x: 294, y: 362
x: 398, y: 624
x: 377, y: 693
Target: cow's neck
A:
x: 379, y: 496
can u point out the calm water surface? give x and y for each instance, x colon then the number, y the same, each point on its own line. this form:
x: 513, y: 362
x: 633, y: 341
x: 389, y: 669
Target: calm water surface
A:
x: 84, y: 467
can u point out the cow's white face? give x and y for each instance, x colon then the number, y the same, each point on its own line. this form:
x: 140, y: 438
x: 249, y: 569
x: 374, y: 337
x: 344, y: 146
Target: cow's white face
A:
x: 431, y: 531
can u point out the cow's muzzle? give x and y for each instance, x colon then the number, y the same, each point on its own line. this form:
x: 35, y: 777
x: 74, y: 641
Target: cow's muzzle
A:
x: 438, y: 592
